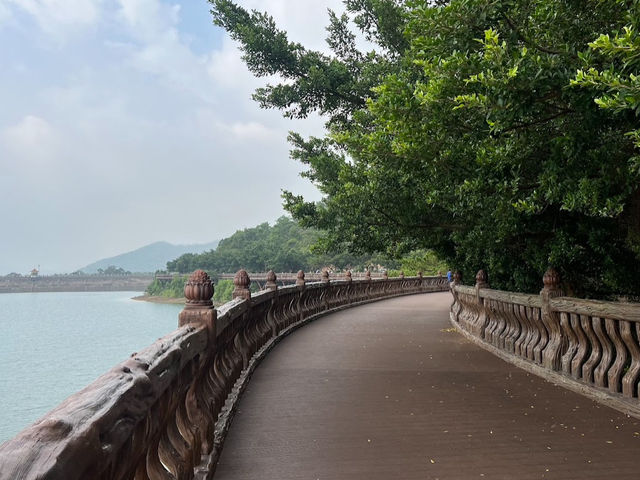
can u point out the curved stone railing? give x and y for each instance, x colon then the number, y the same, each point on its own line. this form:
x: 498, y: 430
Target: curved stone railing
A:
x: 164, y: 412
x: 591, y: 345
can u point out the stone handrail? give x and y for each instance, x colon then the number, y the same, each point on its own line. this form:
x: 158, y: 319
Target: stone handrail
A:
x: 592, y: 346
x: 163, y: 413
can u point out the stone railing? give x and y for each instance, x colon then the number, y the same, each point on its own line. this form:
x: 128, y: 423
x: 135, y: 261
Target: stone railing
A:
x: 164, y: 412
x: 591, y: 346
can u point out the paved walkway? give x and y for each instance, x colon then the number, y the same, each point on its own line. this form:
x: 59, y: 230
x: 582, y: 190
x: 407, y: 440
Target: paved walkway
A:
x: 388, y: 391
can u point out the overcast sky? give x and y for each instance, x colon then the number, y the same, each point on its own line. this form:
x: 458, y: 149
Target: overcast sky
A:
x: 125, y: 122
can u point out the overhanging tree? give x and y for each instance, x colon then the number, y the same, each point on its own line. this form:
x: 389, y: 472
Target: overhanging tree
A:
x: 466, y: 130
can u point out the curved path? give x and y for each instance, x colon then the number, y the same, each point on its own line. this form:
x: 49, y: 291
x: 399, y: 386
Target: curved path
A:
x: 390, y: 391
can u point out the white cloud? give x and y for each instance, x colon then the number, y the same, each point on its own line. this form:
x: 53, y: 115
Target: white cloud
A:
x: 5, y: 13
x: 149, y: 18
x: 251, y: 131
x: 33, y: 141
x: 55, y: 16
x: 126, y: 129
x: 160, y: 50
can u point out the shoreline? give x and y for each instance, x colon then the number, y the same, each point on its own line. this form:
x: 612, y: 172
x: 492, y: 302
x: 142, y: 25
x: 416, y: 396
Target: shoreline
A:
x: 155, y: 299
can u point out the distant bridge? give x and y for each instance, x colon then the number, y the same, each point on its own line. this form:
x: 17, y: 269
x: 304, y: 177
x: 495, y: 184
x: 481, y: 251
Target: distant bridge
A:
x: 75, y: 283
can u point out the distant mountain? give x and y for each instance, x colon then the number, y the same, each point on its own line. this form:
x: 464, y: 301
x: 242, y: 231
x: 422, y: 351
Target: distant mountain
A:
x: 149, y: 258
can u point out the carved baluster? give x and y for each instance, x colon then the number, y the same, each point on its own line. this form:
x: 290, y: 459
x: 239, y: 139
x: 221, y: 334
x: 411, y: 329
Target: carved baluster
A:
x: 572, y: 341
x: 532, y: 335
x: 583, y: 345
x: 516, y: 326
x: 175, y: 453
x: 630, y: 333
x: 596, y: 350
x: 198, y: 405
x: 188, y: 426
x: 326, y: 290
x: 614, y: 375
x: 301, y: 306
x: 509, y: 320
x: 501, y: 324
x: 494, y: 319
x: 521, y: 340
x: 482, y: 281
x: 513, y: 320
x: 535, y: 317
x: 154, y: 468
x: 455, y: 305
x: 600, y: 373
x: 553, y: 351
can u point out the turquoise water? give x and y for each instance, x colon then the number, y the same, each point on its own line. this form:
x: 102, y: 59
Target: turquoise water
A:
x: 54, y: 344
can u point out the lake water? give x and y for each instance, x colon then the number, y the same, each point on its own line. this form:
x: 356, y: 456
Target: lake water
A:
x: 54, y: 344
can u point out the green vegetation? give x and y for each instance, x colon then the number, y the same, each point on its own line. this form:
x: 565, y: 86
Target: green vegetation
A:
x: 223, y: 291
x: 502, y: 135
x: 173, y: 289
x: 283, y: 247
x: 424, y: 261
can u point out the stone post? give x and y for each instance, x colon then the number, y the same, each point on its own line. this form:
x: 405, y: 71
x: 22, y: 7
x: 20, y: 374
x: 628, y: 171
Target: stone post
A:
x: 552, y: 353
x: 242, y: 283
x: 300, y: 279
x: 271, y: 281
x: 325, y: 276
x: 198, y: 307
x: 482, y: 280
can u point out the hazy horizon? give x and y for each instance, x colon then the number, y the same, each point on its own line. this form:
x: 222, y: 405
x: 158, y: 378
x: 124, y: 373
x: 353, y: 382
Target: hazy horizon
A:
x: 127, y: 122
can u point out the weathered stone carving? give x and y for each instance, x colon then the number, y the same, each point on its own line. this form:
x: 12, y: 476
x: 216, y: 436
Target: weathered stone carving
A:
x: 242, y: 282
x: 300, y: 279
x: 271, y: 281
x: 592, y: 342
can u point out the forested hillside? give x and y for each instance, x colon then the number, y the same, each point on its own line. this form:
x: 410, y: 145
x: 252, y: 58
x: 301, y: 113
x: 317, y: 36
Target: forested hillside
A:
x: 283, y: 247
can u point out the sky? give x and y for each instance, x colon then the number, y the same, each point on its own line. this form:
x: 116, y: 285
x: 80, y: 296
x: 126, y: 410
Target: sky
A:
x: 125, y: 122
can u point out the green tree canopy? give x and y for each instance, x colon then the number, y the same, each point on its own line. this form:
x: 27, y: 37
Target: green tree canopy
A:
x: 282, y: 247
x: 499, y: 133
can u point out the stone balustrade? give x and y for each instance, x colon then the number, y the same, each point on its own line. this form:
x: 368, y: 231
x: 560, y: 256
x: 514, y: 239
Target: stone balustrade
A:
x: 591, y: 346
x: 164, y: 412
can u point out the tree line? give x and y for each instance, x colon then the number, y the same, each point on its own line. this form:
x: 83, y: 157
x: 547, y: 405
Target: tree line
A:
x: 503, y: 135
x: 284, y: 246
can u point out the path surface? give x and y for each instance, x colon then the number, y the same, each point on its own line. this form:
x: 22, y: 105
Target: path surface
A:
x: 389, y: 391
